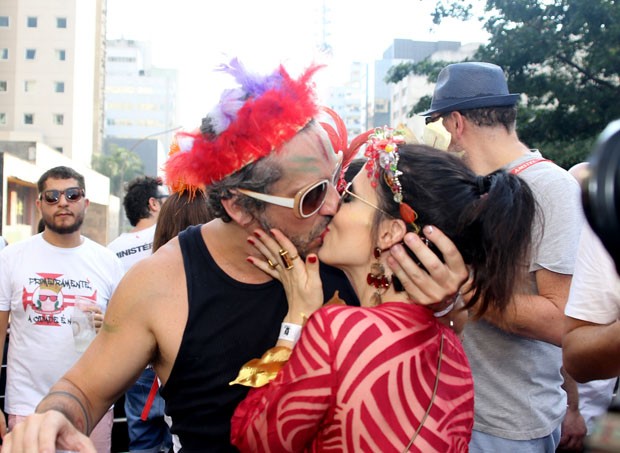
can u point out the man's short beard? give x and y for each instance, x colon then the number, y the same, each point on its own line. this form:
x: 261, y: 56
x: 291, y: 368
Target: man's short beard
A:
x: 79, y: 220
x: 301, y: 243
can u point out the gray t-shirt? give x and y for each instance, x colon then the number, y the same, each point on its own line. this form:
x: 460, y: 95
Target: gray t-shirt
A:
x: 517, y: 380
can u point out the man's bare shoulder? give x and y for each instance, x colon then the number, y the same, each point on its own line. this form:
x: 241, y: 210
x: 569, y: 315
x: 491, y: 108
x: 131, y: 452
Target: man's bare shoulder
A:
x: 157, y: 277
x: 166, y: 259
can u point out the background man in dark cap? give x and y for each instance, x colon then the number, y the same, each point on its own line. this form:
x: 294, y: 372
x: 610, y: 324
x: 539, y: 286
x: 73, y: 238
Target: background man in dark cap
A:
x: 516, y: 357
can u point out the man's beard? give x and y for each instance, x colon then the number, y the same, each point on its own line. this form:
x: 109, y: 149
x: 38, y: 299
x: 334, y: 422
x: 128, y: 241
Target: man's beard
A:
x: 79, y: 219
x: 301, y: 243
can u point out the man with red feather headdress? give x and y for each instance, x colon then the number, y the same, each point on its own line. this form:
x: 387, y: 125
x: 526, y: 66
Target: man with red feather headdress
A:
x: 198, y: 309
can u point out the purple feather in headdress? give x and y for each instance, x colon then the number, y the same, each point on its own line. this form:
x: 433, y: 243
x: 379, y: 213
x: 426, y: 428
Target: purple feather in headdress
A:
x: 225, y: 112
x: 252, y: 85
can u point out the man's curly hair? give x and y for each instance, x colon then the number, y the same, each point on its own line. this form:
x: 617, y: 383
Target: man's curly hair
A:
x: 138, y: 193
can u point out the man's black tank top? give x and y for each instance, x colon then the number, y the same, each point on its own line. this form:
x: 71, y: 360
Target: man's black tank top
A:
x: 228, y: 323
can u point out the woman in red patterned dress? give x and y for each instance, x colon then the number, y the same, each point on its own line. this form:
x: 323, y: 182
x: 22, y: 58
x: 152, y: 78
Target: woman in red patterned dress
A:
x: 386, y: 376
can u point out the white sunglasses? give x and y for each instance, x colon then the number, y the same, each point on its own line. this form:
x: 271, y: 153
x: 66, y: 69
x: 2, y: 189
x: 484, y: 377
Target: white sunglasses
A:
x: 308, y: 200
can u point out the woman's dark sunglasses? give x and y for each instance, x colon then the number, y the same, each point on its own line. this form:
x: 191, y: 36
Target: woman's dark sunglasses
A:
x: 52, y: 196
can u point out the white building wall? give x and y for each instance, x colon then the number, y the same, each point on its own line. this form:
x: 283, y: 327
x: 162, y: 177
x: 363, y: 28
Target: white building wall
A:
x: 32, y: 83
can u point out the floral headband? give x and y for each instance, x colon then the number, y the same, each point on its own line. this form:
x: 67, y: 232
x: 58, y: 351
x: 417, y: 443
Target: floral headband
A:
x: 249, y: 123
x: 382, y: 153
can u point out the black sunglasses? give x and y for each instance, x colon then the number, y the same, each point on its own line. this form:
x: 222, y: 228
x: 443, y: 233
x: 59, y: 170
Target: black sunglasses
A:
x: 52, y: 196
x: 431, y: 119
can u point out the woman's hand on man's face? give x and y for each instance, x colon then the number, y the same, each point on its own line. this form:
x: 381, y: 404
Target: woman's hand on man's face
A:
x: 301, y: 279
x: 442, y: 280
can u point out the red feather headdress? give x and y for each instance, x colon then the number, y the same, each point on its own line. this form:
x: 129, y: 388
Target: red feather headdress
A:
x: 248, y: 124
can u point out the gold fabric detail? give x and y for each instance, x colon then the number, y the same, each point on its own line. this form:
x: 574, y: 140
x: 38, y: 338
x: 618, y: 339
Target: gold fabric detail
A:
x: 336, y: 300
x: 259, y: 372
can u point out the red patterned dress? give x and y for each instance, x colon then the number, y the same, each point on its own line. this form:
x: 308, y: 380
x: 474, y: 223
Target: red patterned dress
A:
x: 361, y: 380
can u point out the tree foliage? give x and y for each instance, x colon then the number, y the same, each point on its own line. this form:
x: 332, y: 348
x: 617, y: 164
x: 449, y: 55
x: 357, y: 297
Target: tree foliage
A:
x: 563, y: 55
x: 121, y: 165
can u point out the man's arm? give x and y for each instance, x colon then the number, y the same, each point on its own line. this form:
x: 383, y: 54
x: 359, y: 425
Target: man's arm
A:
x: 591, y: 351
x: 539, y: 317
x: 591, y: 345
x: 115, y: 358
x: 574, y: 428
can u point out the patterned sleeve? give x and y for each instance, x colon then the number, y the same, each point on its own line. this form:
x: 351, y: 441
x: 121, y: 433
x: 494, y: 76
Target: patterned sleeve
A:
x: 286, y: 414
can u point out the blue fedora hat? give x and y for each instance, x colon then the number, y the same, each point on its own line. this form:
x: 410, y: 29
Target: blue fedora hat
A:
x: 470, y: 85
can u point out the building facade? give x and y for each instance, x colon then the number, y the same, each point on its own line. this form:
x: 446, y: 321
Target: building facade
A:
x: 140, y: 102
x: 404, y: 95
x: 51, y: 105
x: 349, y: 100
x: 51, y: 70
x: 401, y: 50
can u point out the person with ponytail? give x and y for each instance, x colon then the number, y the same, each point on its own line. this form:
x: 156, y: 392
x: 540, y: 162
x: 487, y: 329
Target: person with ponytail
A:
x: 386, y: 376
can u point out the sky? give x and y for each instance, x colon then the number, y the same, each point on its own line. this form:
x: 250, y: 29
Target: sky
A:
x: 195, y: 36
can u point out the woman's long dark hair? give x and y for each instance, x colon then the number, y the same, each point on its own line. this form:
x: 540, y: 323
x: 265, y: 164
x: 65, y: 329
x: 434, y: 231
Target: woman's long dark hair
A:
x: 180, y: 210
x: 489, y: 218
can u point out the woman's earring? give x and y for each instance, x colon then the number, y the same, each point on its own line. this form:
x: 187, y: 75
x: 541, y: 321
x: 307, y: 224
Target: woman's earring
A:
x: 377, y: 278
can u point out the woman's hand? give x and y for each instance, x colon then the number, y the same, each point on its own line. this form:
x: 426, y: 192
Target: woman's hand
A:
x: 442, y: 280
x: 301, y: 280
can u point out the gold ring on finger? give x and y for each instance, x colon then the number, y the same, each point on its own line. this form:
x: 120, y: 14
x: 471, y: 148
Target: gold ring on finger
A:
x: 272, y: 264
x: 286, y: 259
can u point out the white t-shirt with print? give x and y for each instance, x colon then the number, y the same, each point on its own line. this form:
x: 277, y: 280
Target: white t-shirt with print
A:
x: 38, y: 285
x: 132, y: 247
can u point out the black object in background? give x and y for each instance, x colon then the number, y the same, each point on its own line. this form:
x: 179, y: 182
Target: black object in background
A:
x: 601, y: 190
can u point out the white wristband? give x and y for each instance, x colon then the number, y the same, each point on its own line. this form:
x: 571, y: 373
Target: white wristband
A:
x: 290, y: 332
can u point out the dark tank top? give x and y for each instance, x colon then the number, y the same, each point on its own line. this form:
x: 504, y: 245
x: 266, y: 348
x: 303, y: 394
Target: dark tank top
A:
x: 228, y: 323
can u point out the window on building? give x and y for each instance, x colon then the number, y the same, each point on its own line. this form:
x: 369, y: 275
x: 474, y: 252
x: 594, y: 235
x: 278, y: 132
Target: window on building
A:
x: 2, y: 119
x: 30, y: 86
x: 59, y: 149
x: 59, y: 87
x: 61, y: 22
x: 4, y: 85
x: 30, y: 54
x: 61, y: 54
x: 58, y: 119
x: 4, y: 21
x: 4, y: 54
x: 28, y: 118
x: 31, y: 22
